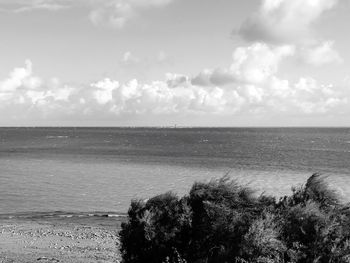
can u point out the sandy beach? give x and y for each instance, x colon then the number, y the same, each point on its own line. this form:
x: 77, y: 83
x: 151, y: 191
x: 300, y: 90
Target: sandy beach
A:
x: 59, y: 240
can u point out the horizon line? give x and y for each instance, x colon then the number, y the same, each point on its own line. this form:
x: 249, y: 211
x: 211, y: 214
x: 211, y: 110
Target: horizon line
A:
x: 174, y: 127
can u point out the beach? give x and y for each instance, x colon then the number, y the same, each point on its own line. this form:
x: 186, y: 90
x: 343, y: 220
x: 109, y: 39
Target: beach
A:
x: 59, y: 240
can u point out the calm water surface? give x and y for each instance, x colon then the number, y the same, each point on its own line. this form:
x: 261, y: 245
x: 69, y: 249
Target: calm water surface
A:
x: 102, y: 169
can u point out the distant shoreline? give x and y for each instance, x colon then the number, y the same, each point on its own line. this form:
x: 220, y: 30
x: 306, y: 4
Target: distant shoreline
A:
x: 175, y: 127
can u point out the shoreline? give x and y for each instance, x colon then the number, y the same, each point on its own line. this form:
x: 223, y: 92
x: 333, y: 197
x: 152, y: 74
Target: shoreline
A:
x: 52, y: 215
x: 59, y: 237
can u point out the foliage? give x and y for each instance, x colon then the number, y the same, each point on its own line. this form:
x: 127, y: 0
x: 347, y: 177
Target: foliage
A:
x: 222, y: 221
x: 155, y: 228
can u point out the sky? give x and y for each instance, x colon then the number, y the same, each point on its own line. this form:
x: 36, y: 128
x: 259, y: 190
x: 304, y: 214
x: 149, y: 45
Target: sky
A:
x: 174, y: 62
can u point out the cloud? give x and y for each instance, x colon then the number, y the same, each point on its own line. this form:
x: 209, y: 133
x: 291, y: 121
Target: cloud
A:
x: 250, y: 86
x: 284, y: 21
x: 111, y: 13
x: 216, y: 77
x: 41, y: 6
x: 20, y: 77
x: 320, y: 54
x: 252, y: 65
x: 258, y: 62
x: 176, y: 80
x: 291, y: 23
x: 129, y: 59
x: 254, y: 89
x: 32, y: 5
x: 117, y: 13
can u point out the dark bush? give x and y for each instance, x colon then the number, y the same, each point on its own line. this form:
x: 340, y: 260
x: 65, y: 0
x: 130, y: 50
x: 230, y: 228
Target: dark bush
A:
x: 222, y: 221
x: 156, y: 230
x: 222, y: 212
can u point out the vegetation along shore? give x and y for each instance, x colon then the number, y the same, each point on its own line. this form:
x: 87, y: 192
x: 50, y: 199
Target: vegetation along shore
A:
x: 217, y: 221
x: 222, y: 221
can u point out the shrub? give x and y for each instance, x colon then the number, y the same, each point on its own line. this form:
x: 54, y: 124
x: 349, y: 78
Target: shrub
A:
x: 155, y: 228
x: 262, y: 242
x: 221, y: 212
x: 222, y: 221
x: 316, y: 189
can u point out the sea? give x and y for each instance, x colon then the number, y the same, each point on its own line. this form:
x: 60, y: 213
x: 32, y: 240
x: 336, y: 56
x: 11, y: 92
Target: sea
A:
x: 99, y: 171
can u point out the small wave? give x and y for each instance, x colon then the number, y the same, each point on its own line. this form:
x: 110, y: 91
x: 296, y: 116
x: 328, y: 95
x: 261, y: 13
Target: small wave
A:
x: 66, y: 216
x: 57, y: 137
x: 115, y: 215
x: 53, y: 215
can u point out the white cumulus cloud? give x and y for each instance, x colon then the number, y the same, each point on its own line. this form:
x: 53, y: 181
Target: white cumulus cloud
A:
x: 254, y: 88
x: 291, y: 23
x: 253, y: 64
x: 284, y: 21
x: 258, y: 62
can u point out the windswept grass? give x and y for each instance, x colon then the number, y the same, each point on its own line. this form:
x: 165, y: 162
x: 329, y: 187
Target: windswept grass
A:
x: 222, y: 221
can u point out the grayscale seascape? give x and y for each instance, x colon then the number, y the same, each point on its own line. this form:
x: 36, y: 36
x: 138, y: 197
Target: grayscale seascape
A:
x: 174, y: 131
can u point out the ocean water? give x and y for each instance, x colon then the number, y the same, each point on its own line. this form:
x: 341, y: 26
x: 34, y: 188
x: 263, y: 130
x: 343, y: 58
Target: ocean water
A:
x: 102, y: 169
